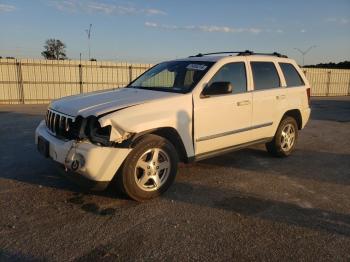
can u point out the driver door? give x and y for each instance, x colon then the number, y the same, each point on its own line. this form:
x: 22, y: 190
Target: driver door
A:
x: 223, y: 121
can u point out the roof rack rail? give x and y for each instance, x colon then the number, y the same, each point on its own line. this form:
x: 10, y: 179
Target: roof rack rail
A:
x: 218, y: 53
x: 272, y: 54
x: 241, y: 53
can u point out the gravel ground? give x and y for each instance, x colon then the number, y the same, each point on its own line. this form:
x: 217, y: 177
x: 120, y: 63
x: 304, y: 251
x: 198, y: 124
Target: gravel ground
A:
x: 244, y: 206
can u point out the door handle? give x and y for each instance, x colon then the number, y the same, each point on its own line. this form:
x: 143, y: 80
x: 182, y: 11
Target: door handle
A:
x: 243, y: 103
x: 280, y: 97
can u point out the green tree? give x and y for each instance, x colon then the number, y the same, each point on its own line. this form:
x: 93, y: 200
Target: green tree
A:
x: 55, y: 49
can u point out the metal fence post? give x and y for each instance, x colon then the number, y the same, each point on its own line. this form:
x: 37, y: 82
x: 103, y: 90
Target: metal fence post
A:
x: 328, y: 82
x: 81, y: 78
x: 130, y: 73
x: 20, y: 82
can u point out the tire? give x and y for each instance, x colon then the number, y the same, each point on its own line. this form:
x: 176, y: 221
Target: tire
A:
x: 283, y: 145
x: 150, y: 168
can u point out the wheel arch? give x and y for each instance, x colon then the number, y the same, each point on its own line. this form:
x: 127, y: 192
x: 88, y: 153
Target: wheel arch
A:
x: 168, y: 133
x: 296, y: 114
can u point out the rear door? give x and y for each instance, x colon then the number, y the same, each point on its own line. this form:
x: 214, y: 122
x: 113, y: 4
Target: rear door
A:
x: 296, y: 87
x: 269, y: 98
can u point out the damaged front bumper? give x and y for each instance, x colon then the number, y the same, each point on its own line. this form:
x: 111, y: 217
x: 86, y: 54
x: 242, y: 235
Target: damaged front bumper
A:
x: 83, y: 161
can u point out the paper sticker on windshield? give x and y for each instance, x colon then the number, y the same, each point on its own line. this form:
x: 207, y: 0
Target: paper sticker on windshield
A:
x: 196, y: 67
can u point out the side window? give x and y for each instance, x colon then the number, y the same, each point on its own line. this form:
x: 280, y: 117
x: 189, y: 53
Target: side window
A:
x: 291, y: 75
x: 265, y: 75
x: 234, y: 73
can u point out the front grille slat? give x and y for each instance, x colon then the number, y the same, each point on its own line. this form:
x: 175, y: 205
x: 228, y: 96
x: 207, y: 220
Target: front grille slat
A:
x: 48, y: 118
x: 54, y: 123
x: 51, y: 121
x: 66, y: 126
x: 59, y: 124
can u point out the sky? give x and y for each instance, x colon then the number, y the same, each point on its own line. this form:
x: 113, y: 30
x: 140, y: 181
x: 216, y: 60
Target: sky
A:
x: 150, y: 31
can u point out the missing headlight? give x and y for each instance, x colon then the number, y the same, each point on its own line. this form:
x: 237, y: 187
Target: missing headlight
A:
x: 96, y: 133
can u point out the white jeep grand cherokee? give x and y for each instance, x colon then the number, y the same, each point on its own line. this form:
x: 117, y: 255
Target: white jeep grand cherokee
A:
x: 182, y: 110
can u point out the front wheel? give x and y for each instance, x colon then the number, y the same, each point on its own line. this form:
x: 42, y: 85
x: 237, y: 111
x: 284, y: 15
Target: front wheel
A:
x: 285, y: 139
x: 150, y: 168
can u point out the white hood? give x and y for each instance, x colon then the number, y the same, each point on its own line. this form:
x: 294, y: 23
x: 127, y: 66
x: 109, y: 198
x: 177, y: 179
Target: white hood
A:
x: 98, y: 103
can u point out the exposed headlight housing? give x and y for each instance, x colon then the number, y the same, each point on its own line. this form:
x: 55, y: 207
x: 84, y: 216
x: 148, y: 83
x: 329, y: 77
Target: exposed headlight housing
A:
x: 97, y: 134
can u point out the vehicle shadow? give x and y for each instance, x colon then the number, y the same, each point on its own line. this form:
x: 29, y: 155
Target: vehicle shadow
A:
x: 303, y: 164
x: 255, y: 206
x: 17, y: 256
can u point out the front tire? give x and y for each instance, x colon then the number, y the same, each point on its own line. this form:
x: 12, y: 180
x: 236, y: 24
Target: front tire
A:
x: 284, y: 141
x: 150, y: 168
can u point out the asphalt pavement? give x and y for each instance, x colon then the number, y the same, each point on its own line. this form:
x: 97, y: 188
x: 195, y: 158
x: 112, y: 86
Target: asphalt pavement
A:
x: 245, y: 205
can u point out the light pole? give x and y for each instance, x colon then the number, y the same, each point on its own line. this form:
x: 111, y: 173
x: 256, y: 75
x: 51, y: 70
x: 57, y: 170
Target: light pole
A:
x: 88, y: 32
x: 303, y: 53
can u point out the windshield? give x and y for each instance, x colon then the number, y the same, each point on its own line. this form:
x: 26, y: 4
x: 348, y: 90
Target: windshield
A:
x: 174, y: 76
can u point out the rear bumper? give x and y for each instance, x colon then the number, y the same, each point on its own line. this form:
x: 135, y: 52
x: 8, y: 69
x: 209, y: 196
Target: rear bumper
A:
x: 100, y: 164
x: 305, y: 115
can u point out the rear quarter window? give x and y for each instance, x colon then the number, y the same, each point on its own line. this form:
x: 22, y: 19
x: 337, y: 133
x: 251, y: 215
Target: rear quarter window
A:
x: 291, y: 75
x: 265, y: 75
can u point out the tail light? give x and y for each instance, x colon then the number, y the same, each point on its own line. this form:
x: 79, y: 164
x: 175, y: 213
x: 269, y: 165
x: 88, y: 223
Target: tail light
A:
x: 308, y: 93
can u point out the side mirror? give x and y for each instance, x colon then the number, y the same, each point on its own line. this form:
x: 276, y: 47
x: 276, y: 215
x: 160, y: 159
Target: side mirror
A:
x: 217, y: 88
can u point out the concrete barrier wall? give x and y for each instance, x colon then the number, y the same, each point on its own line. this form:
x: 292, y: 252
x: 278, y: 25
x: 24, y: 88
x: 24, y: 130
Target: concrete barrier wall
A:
x: 33, y: 81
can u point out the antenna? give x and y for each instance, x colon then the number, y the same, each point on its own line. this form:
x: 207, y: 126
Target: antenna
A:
x: 88, y: 32
x: 303, y: 53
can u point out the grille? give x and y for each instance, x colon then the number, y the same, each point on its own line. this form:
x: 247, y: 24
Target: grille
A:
x: 59, y: 124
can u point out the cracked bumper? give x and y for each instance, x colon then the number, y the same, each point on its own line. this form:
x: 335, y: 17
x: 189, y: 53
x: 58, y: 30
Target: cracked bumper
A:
x: 100, y: 163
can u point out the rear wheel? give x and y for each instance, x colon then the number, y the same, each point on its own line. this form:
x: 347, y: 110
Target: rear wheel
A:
x: 284, y: 141
x: 150, y: 168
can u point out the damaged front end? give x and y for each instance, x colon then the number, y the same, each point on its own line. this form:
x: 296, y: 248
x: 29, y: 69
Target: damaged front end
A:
x: 79, y: 129
x: 82, y: 146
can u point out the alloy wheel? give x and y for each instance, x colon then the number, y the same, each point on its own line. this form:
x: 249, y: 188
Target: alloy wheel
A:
x: 287, y: 137
x: 152, y: 169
